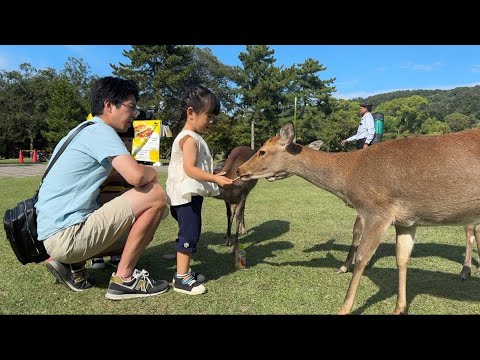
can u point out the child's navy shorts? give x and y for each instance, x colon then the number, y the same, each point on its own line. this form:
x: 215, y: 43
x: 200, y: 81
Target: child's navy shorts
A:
x: 189, y: 218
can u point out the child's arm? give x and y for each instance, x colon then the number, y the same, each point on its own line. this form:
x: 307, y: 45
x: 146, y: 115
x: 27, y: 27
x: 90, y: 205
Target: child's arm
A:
x: 190, y: 152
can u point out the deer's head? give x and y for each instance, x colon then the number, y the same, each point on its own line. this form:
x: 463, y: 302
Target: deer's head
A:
x: 269, y: 161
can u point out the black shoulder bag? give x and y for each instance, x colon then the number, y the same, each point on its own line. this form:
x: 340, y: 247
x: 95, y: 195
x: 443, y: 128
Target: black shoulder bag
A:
x: 20, y: 223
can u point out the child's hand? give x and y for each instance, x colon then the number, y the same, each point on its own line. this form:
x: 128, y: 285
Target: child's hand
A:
x: 223, y: 181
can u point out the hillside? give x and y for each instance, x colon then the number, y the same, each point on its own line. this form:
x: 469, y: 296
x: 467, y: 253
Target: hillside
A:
x: 465, y: 100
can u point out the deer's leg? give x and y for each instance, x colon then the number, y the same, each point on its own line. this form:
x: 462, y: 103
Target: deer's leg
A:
x: 372, y: 233
x: 239, y: 220
x: 233, y: 211
x: 357, y: 234
x: 228, y: 234
x: 467, y: 263
x: 404, y: 246
x: 241, y: 216
x: 477, y: 238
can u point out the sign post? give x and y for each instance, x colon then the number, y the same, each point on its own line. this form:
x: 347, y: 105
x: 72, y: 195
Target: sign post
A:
x: 146, y: 144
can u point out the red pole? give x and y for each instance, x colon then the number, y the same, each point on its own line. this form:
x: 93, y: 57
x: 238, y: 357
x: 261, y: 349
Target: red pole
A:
x: 20, y: 157
x: 34, y: 156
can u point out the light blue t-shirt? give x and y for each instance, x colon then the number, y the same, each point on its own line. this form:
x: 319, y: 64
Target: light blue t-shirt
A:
x: 69, y: 192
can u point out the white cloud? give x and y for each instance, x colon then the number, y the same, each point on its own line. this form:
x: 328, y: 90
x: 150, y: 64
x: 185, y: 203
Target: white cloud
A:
x: 476, y: 68
x: 437, y: 65
x: 346, y: 83
x: 4, y: 61
x: 78, y: 49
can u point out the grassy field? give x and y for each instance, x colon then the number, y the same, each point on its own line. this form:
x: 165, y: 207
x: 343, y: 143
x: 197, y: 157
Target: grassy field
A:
x: 298, y: 236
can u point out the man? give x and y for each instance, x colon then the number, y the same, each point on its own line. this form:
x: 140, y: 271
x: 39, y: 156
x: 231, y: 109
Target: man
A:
x: 366, y: 129
x: 70, y: 221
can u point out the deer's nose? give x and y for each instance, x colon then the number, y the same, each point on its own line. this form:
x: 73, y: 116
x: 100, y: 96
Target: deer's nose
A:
x: 238, y: 172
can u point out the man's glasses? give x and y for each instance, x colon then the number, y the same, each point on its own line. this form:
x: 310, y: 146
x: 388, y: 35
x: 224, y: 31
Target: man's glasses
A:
x: 133, y: 108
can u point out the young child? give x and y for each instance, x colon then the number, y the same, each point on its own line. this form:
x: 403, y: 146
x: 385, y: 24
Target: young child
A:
x: 190, y: 179
x: 114, y: 186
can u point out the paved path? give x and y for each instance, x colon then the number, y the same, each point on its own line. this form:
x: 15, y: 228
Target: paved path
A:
x: 24, y: 170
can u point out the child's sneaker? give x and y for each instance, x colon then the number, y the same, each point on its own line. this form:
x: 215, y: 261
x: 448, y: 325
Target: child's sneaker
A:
x: 198, y: 277
x: 75, y: 279
x: 140, y: 286
x: 98, y: 263
x: 188, y: 285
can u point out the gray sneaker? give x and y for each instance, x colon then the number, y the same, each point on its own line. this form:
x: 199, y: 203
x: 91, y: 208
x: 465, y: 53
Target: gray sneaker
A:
x: 74, y: 279
x: 141, y: 285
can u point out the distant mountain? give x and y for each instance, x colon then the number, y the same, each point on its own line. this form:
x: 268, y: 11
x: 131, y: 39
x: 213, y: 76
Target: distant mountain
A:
x: 465, y: 100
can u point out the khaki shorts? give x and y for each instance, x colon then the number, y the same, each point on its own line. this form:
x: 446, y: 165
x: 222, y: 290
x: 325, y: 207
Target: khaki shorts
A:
x: 106, y: 229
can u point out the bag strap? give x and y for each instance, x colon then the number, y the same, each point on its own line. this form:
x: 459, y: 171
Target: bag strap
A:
x: 64, y: 146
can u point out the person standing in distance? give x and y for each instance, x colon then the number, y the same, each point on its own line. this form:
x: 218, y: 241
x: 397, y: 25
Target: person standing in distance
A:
x: 72, y: 224
x: 366, y: 129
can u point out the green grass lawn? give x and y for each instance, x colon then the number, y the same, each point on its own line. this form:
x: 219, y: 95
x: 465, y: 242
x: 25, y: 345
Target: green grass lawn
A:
x: 298, y: 236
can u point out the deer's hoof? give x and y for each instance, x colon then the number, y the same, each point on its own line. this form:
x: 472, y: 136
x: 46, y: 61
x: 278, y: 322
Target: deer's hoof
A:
x: 343, y: 311
x: 400, y: 310
x: 465, y: 273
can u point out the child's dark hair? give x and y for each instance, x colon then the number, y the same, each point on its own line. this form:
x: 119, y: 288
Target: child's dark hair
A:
x: 200, y: 99
x: 111, y: 88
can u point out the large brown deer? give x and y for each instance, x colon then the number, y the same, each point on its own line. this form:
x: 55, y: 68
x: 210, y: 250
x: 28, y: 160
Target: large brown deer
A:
x: 419, y: 181
x: 235, y: 196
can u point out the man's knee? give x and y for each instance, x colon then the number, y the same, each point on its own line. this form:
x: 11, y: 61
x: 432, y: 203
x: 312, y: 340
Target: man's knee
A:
x: 159, y: 195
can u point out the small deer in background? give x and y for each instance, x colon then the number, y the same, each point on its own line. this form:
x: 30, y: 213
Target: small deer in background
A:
x: 418, y: 181
x: 235, y: 196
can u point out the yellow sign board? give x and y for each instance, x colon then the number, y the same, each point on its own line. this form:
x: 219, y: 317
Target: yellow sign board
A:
x: 146, y: 144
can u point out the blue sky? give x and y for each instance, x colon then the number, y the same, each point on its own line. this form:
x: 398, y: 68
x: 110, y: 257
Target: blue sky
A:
x: 360, y: 70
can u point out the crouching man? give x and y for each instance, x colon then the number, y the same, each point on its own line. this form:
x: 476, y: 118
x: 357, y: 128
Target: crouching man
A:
x: 70, y: 221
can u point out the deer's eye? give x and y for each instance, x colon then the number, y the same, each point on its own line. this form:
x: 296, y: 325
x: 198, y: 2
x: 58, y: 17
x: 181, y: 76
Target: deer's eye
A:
x: 261, y: 153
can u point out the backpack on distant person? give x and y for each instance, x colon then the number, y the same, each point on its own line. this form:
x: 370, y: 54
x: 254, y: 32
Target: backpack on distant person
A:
x: 378, y: 120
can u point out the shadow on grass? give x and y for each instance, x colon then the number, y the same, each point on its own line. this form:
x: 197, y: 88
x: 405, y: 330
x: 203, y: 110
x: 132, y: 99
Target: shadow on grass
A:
x: 419, y: 281
x: 455, y: 253
x: 214, y: 262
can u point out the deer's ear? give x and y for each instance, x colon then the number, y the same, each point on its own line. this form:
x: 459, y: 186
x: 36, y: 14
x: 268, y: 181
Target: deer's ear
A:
x: 287, y: 134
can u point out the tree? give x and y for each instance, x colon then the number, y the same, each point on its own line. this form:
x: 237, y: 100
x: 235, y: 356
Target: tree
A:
x: 458, y: 122
x: 305, y: 84
x: 163, y: 73
x: 434, y: 127
x: 314, y: 99
x: 409, y: 114
x: 261, y: 91
x: 340, y: 124
x: 68, y: 100
x: 24, y: 95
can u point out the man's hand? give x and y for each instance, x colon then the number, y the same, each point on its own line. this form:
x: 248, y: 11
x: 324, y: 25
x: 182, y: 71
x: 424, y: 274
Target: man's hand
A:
x: 343, y: 142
